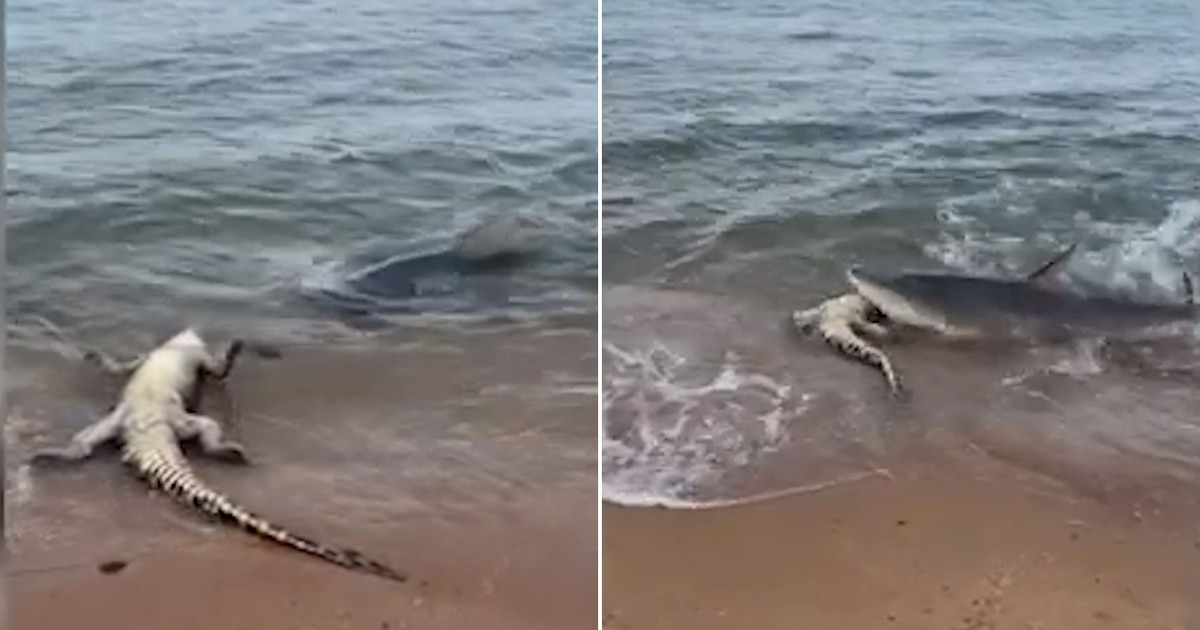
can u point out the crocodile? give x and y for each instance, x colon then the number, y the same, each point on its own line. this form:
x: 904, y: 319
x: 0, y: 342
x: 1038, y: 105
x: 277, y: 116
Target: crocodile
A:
x: 972, y: 307
x: 153, y: 414
x: 842, y: 322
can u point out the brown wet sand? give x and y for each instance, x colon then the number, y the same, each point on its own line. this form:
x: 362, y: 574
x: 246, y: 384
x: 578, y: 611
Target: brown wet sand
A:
x: 467, y: 462
x: 229, y: 584
x: 940, y: 545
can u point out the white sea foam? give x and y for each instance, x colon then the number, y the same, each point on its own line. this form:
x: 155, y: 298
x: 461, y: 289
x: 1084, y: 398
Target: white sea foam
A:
x: 673, y: 427
x: 1141, y: 259
x: 18, y: 486
x: 1148, y: 260
x: 652, y: 499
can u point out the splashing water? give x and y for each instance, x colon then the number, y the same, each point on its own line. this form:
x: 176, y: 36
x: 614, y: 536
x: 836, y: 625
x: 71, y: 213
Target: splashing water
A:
x: 673, y: 428
x: 1140, y: 259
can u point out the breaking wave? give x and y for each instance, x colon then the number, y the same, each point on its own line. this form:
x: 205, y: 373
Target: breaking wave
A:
x: 674, y: 427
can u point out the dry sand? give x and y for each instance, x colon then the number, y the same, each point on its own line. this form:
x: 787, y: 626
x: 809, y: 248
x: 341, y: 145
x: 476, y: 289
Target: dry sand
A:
x: 940, y: 545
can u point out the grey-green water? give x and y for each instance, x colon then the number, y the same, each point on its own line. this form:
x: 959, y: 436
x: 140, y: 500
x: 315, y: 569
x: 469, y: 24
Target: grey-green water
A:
x: 211, y: 158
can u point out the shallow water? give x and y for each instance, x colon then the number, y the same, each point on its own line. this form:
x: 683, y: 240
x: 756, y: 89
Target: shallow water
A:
x: 753, y: 151
x: 710, y: 400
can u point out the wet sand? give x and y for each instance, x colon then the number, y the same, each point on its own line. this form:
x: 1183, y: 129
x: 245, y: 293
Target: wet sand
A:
x: 226, y: 585
x: 465, y: 461
x: 952, y: 544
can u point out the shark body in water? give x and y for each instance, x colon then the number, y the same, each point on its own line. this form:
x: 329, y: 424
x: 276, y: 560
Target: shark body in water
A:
x: 967, y: 306
x: 971, y: 307
x: 475, y: 271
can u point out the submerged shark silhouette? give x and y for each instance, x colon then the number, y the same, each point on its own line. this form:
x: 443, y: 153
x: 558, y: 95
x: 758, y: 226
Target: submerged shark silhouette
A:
x: 497, y: 246
x: 967, y: 306
x: 477, y: 271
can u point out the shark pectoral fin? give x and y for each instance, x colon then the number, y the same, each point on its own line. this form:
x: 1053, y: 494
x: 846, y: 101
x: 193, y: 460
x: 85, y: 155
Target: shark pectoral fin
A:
x: 1046, y: 274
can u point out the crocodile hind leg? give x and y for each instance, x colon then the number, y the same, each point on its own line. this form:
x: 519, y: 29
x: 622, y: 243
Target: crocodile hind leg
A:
x: 84, y: 442
x: 192, y: 425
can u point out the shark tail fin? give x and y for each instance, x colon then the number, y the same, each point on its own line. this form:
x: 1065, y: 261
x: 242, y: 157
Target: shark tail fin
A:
x: 1052, y: 266
x: 1189, y: 293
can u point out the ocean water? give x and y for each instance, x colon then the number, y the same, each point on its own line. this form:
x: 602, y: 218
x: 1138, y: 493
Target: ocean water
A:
x: 211, y: 158
x: 753, y: 150
x: 201, y: 161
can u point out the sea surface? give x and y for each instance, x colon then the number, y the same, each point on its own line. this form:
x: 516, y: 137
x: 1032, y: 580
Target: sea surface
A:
x: 218, y: 163
x: 754, y: 150
x: 212, y: 158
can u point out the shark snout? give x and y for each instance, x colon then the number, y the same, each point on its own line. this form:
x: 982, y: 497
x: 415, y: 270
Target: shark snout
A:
x: 857, y: 275
x: 896, y: 297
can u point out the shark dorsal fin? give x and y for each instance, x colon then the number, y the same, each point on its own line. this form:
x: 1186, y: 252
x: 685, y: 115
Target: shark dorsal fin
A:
x: 1046, y: 273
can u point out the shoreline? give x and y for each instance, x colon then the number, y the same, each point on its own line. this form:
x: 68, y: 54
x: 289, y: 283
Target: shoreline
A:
x: 435, y: 456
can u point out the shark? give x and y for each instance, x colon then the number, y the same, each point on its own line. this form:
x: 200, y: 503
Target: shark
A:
x: 1033, y: 308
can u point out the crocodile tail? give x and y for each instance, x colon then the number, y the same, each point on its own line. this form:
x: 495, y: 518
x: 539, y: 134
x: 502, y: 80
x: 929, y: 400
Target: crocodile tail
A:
x: 175, y: 477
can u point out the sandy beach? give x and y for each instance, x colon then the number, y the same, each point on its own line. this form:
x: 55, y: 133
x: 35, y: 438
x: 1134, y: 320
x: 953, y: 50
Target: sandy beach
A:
x: 226, y: 585
x: 938, y: 544
x: 480, y: 486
